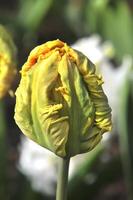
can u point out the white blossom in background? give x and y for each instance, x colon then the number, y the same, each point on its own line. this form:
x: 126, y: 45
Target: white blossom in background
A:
x: 39, y: 164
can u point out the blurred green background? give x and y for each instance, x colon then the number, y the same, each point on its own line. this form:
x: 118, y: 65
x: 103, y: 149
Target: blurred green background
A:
x: 32, y: 22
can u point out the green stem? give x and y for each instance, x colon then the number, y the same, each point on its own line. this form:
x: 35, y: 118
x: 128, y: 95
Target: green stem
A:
x: 61, y: 193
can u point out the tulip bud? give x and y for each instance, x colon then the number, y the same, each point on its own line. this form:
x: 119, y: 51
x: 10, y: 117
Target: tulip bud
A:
x: 7, y: 61
x: 60, y: 103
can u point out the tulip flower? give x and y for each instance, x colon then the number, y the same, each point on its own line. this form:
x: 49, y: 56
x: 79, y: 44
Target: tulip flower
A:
x: 7, y: 61
x: 60, y: 103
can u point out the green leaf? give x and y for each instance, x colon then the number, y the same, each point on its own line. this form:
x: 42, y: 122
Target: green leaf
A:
x: 116, y: 25
x: 32, y: 12
x: 93, y: 10
x: 126, y: 128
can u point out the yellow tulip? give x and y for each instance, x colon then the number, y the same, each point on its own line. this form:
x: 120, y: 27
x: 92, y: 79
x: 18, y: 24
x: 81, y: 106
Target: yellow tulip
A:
x: 7, y: 61
x: 60, y: 103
